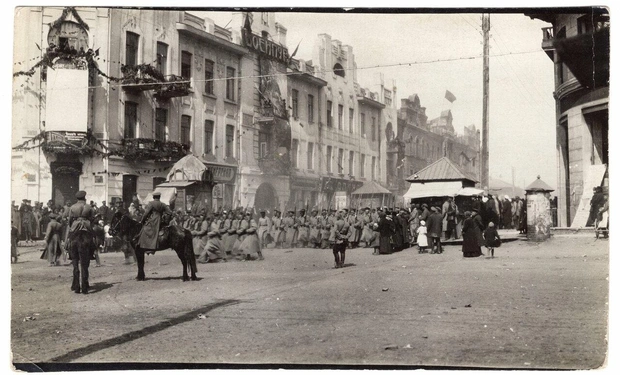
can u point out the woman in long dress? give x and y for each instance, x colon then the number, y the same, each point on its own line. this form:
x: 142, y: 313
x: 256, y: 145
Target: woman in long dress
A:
x: 385, y: 233
x: 472, y: 235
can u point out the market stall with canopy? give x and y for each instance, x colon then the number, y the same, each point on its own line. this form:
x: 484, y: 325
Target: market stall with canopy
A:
x: 188, y: 186
x: 373, y: 195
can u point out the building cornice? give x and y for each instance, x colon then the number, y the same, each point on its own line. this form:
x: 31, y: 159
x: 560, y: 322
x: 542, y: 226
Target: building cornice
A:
x: 193, y: 32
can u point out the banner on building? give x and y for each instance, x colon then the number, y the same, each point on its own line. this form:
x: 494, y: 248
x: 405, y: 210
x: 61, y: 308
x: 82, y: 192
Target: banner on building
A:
x: 66, y: 100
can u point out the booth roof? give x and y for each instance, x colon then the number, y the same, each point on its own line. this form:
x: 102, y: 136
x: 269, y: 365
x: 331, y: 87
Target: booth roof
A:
x: 191, y: 169
x: 371, y: 187
x: 539, y: 185
x: 441, y: 170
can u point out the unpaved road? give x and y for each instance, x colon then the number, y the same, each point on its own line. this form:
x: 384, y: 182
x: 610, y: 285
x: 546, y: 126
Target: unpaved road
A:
x: 533, y: 306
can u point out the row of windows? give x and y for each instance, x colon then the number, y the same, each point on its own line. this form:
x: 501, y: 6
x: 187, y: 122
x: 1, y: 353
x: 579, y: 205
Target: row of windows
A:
x: 161, y: 129
x: 132, y: 42
x: 333, y: 153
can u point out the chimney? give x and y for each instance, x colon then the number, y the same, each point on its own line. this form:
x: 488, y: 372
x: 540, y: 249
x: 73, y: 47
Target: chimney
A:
x: 209, y: 25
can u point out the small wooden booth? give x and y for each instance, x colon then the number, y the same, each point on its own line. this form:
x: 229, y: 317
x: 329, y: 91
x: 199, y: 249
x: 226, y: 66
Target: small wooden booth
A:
x: 371, y: 194
x: 188, y: 186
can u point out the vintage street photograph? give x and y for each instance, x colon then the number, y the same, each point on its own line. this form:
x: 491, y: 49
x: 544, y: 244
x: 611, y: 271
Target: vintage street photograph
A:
x: 309, y: 188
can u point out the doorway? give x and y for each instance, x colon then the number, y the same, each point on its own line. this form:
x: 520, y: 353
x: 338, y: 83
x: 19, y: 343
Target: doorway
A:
x: 130, y: 186
x: 265, y: 198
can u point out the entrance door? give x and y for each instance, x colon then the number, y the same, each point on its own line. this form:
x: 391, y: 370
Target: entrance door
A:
x: 265, y: 197
x: 130, y: 186
x: 65, y: 181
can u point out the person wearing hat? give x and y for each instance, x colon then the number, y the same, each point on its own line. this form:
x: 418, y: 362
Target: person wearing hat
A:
x: 491, y: 239
x: 302, y: 229
x: 506, y: 213
x: 27, y: 220
x: 472, y: 234
x: 264, y: 229
x: 434, y: 225
x: 414, y: 222
x: 53, y: 233
x: 314, y: 234
x: 199, y: 234
x: 80, y: 217
x: 367, y: 232
x: 212, y: 251
x: 291, y: 230
x: 424, y: 215
x: 597, y: 201
x: 384, y: 227
x: 151, y: 222
x: 325, y: 229
x: 14, y: 239
x: 244, y: 224
x: 250, y: 244
x: 276, y: 228
x: 340, y: 239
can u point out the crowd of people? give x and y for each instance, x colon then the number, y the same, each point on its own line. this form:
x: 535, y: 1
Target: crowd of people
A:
x: 242, y: 234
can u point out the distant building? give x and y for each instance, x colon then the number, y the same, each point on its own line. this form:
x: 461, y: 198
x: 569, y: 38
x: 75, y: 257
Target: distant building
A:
x: 578, y: 44
x: 418, y: 143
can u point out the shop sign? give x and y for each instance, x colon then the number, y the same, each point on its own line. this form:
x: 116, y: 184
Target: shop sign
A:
x: 338, y: 184
x: 222, y: 174
x: 265, y: 47
x: 305, y: 183
x: 77, y: 139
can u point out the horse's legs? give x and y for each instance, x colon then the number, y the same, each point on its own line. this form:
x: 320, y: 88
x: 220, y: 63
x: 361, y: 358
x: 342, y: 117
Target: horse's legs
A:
x: 183, y: 255
x: 140, y: 258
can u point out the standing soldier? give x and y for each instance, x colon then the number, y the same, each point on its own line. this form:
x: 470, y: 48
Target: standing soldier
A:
x: 302, y: 229
x: 291, y: 229
x: 341, y: 228
x: 80, y: 216
x: 53, y: 233
x: 264, y: 228
x: 325, y: 228
x: 367, y: 232
x: 276, y: 228
x: 314, y: 236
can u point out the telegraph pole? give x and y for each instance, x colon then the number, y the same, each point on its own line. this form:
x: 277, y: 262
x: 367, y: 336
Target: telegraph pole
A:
x: 484, y: 165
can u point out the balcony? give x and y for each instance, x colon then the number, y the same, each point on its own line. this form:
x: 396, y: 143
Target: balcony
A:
x: 547, y: 43
x: 274, y: 165
x: 143, y: 77
x: 151, y: 149
x: 175, y: 86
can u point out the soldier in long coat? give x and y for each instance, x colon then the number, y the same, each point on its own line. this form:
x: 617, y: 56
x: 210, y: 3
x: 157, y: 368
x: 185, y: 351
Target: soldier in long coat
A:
x: 199, y: 234
x: 251, y: 243
x: 151, y: 222
x: 264, y: 229
x: 244, y: 224
x: 367, y: 232
x: 53, y: 234
x: 291, y: 229
x: 315, y: 231
x: 80, y: 216
x: 302, y: 229
x: 325, y: 228
x: 231, y: 239
x: 276, y: 229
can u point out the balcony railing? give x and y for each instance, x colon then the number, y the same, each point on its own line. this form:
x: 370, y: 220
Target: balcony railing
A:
x: 151, y: 149
x: 143, y: 77
x: 175, y: 86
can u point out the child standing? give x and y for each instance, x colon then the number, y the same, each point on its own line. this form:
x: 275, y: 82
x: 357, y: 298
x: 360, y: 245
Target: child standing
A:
x: 491, y: 239
x: 422, y: 238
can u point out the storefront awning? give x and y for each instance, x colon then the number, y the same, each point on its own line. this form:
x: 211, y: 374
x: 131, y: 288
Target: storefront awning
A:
x: 433, y: 189
x: 176, y: 184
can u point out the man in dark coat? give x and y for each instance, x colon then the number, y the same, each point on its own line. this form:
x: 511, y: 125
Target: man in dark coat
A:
x: 597, y: 201
x: 385, y: 232
x: 151, y: 222
x: 104, y: 211
x: 80, y: 216
x: 435, y: 226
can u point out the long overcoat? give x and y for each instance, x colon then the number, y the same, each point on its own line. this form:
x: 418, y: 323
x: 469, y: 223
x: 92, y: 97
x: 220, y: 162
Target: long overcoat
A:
x: 149, y: 236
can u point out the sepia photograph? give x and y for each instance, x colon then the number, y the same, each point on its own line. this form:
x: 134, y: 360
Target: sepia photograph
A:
x: 309, y: 188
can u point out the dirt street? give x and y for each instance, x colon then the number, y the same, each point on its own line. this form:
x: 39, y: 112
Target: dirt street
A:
x: 533, y: 306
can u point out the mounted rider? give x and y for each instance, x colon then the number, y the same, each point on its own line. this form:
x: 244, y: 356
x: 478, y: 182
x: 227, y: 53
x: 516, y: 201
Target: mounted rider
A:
x: 151, y: 221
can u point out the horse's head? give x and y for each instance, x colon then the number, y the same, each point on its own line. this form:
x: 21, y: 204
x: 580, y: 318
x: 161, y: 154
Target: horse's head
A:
x: 116, y: 224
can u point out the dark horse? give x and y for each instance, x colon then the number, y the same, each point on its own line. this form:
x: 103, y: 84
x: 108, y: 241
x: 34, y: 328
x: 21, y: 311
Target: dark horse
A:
x: 176, y: 238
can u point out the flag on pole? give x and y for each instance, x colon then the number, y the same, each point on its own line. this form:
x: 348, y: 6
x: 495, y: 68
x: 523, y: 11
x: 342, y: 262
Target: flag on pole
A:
x: 450, y: 96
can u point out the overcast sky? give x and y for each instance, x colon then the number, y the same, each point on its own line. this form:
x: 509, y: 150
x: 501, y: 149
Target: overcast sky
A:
x: 522, y: 114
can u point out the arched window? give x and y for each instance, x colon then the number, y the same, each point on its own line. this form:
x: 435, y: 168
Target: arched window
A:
x: 338, y: 70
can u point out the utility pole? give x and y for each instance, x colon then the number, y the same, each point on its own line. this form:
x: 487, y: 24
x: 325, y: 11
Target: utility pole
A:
x: 484, y: 165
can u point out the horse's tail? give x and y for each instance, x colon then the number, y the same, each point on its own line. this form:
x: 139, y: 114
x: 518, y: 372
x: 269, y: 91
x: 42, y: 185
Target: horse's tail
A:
x: 192, y: 268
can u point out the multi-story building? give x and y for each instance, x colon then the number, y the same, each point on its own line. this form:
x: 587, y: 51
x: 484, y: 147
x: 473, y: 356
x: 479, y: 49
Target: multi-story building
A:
x: 145, y: 87
x: 154, y: 86
x: 419, y: 142
x: 578, y: 44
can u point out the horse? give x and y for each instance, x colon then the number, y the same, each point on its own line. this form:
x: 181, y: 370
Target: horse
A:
x: 176, y: 238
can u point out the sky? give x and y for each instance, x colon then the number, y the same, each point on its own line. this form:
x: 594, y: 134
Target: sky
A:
x: 522, y: 109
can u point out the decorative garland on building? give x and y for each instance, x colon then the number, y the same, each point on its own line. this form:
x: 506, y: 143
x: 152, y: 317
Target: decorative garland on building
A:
x: 64, y: 15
